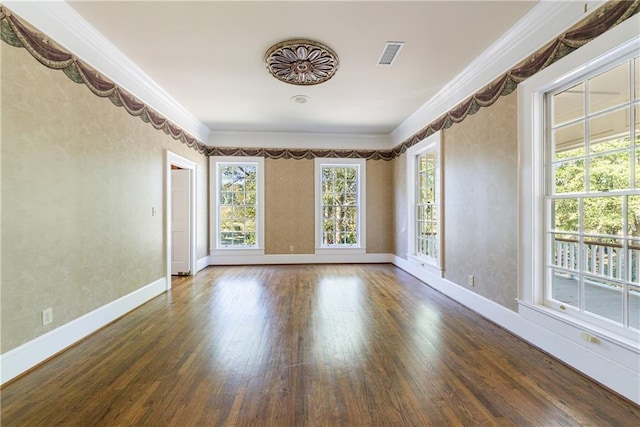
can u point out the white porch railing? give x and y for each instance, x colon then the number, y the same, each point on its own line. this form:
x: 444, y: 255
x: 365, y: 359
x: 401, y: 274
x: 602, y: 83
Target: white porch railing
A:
x: 602, y: 259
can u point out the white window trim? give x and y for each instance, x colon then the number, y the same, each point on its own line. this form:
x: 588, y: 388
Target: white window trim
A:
x: 604, y: 50
x: 215, y: 249
x: 433, y: 142
x: 361, y: 248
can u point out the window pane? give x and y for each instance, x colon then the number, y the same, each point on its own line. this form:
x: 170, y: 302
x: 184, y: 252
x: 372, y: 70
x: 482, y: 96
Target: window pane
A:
x: 603, y: 215
x: 634, y: 261
x: 603, y: 257
x: 610, y: 172
x: 610, y: 131
x: 637, y: 121
x: 566, y: 214
x: 565, y: 287
x: 633, y: 216
x: 569, y: 141
x: 569, y: 177
x: 603, y: 298
x: 610, y: 89
x: 565, y: 251
x: 569, y: 104
x: 638, y: 78
x: 634, y: 307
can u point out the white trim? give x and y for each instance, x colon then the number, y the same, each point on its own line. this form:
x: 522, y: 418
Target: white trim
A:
x: 612, y: 366
x: 335, y: 258
x: 432, y: 143
x: 181, y: 162
x: 361, y: 165
x: 62, y: 23
x: 36, y: 351
x: 602, y: 50
x: 202, y: 263
x: 300, y: 140
x: 524, y: 38
x: 213, y: 204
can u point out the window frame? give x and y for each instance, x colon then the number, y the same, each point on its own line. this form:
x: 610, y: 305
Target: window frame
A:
x: 432, y: 143
x: 533, y: 218
x: 361, y: 173
x: 216, y: 248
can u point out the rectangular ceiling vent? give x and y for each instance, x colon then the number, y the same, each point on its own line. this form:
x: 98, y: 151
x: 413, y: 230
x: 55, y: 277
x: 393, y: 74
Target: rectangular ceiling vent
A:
x: 389, y: 53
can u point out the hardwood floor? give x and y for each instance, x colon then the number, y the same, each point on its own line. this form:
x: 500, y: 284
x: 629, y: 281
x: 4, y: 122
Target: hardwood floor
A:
x: 306, y: 346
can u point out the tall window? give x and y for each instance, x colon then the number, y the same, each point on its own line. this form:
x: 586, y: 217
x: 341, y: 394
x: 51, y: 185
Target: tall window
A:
x: 593, y: 195
x: 340, y: 192
x: 237, y: 203
x: 423, y: 179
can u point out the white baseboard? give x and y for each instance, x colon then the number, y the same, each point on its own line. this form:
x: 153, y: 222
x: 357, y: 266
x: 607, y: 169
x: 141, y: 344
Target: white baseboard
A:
x: 300, y: 259
x: 608, y: 365
x: 202, y: 263
x: 30, y: 354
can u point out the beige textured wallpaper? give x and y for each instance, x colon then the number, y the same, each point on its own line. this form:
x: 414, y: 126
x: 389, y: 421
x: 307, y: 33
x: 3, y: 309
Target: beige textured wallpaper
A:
x: 480, y: 192
x: 379, y: 208
x: 289, y: 206
x: 400, y: 206
x: 79, y: 179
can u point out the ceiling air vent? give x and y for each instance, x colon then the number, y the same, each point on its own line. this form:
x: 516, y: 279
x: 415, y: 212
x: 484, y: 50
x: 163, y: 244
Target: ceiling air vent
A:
x: 390, y: 52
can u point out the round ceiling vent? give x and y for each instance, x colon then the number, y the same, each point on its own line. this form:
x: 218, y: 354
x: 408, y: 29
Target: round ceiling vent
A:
x: 301, y: 62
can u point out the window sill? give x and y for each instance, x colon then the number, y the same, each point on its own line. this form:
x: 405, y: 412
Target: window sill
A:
x: 569, y: 326
x: 428, y: 264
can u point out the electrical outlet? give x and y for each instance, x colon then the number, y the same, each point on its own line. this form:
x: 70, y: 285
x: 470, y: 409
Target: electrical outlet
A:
x: 291, y: 248
x: 471, y: 281
x: 47, y: 316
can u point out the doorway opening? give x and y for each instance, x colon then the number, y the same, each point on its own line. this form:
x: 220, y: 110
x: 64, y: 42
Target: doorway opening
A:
x: 180, y: 216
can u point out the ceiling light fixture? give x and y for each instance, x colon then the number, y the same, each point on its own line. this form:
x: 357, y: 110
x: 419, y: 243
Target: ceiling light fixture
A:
x: 301, y: 62
x: 300, y: 99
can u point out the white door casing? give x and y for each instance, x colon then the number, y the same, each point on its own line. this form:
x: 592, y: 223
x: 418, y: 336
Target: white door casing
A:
x: 180, y: 224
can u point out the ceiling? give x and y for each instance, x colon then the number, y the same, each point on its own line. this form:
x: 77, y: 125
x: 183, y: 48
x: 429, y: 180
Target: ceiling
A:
x: 209, y: 56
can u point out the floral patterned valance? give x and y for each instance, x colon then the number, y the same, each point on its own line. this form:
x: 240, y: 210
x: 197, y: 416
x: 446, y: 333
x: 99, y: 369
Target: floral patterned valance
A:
x: 16, y: 33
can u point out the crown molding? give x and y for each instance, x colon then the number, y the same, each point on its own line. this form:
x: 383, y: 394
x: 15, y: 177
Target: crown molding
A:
x: 300, y: 140
x: 525, y: 37
x: 69, y: 29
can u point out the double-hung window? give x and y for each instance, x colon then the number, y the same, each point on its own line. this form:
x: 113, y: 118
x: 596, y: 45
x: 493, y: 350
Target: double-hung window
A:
x: 237, y: 203
x: 593, y: 195
x: 425, y: 206
x: 579, y: 151
x: 340, y: 204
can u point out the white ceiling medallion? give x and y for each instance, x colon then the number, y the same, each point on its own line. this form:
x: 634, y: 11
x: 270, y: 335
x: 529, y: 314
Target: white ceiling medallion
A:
x: 301, y: 62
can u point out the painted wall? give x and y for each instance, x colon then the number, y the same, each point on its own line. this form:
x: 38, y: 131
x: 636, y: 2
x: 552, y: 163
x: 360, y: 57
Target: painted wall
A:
x: 289, y: 206
x: 80, y: 177
x: 481, y: 201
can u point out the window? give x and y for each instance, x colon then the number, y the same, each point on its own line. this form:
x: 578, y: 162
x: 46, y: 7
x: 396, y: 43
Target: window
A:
x: 340, y: 204
x: 592, y: 198
x: 237, y: 206
x: 425, y: 205
x: 579, y: 209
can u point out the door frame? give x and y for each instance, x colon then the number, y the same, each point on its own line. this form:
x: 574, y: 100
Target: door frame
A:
x: 173, y: 159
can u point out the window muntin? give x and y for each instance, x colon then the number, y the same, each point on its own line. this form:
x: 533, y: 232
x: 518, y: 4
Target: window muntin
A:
x: 426, y: 205
x: 237, y: 204
x: 340, y: 206
x: 424, y: 210
x: 592, y: 197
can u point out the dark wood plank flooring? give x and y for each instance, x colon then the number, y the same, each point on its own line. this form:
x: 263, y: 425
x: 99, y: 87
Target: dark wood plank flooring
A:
x: 307, y: 346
